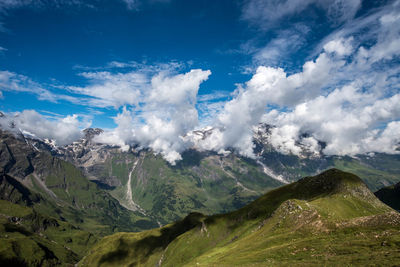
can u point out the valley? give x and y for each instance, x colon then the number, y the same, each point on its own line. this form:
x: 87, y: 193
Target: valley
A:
x: 80, y: 193
x: 329, y: 219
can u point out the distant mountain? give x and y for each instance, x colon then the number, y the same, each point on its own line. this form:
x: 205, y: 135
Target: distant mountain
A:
x: 99, y: 189
x: 205, y: 181
x: 390, y: 196
x: 141, y: 181
x: 331, y: 218
x: 58, y: 205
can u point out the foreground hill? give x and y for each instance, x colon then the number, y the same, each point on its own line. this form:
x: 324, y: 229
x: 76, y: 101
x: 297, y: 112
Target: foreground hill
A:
x: 331, y: 218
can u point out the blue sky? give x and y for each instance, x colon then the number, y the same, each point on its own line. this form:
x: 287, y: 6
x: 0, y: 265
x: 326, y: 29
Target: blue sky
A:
x: 51, y: 45
x: 97, y: 62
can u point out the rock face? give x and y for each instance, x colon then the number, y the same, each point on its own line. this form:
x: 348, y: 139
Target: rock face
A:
x: 16, y: 155
x: 89, y: 156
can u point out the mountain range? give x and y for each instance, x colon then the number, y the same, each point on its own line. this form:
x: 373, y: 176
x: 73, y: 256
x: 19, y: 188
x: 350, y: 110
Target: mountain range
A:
x: 59, y: 201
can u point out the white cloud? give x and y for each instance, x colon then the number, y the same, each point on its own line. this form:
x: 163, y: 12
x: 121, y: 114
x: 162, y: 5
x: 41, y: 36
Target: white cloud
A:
x: 385, y: 141
x: 340, y: 46
x: 347, y: 97
x: 267, y: 86
x: 277, y: 50
x: 123, y: 134
x: 63, y: 130
x: 265, y: 13
x: 346, y: 120
x: 108, y: 89
x: 10, y: 81
x: 131, y: 4
x: 136, y: 4
x: 168, y: 112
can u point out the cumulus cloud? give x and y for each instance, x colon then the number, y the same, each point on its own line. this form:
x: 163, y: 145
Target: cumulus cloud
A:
x: 62, y: 130
x: 268, y: 86
x: 346, y: 119
x: 347, y: 98
x: 168, y: 112
x: 123, y: 134
x: 159, y: 106
x: 339, y: 46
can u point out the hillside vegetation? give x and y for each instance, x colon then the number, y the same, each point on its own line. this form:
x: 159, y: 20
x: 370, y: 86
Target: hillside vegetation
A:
x: 390, y: 196
x: 331, y: 218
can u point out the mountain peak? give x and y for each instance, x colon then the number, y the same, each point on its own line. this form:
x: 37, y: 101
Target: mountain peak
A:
x: 89, y: 133
x: 331, y: 181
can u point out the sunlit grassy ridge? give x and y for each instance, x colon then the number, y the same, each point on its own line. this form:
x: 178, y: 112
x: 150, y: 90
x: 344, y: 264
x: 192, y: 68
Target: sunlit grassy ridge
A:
x: 330, y: 219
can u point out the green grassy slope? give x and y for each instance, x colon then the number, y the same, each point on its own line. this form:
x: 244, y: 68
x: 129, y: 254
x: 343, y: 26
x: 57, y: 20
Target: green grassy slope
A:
x: 328, y: 219
x: 377, y: 172
x: 28, y: 238
x: 207, y: 184
x: 61, y: 190
x: 201, y: 182
x: 38, y: 231
x: 82, y: 202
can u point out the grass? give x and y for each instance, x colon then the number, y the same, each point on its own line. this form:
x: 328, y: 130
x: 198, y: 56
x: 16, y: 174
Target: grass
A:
x: 330, y: 219
x: 374, y: 178
x: 197, y: 184
x: 30, y: 238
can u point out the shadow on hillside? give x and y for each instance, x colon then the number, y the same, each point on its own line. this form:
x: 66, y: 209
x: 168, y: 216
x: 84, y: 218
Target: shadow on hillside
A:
x: 190, y: 158
x: 143, y: 248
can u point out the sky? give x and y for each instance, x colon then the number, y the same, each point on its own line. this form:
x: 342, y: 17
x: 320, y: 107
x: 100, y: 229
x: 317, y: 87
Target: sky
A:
x: 150, y: 72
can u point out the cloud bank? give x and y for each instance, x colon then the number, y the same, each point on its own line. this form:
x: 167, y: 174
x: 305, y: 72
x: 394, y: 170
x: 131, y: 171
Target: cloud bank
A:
x: 168, y: 111
x: 62, y: 130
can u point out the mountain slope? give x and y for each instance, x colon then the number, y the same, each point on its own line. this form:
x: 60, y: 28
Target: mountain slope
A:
x: 205, y: 182
x: 143, y: 182
x: 390, y: 196
x: 68, y: 193
x: 29, y: 238
x: 50, y: 214
x: 331, y: 218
